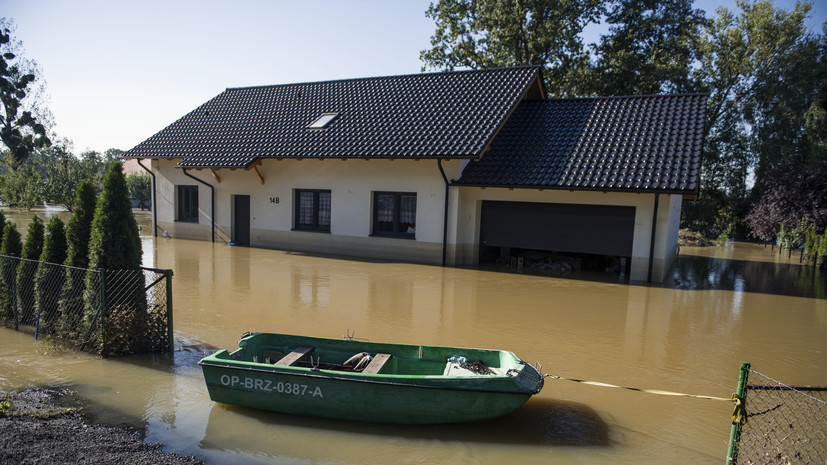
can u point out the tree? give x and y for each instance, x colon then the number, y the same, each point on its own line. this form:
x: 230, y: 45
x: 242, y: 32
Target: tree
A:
x: 115, y: 243
x: 650, y: 49
x: 78, y: 233
x: 822, y: 250
x: 495, y: 33
x: 140, y: 188
x: 22, y: 188
x: 79, y: 229
x: 789, y: 194
x: 32, y: 249
x: 739, y: 55
x: 115, y: 248
x: 50, y: 275
x: 2, y: 225
x: 21, y: 130
x: 11, y: 247
x: 785, y: 110
x: 111, y: 155
x: 64, y: 174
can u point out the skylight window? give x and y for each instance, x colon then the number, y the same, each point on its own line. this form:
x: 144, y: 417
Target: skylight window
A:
x: 323, y: 121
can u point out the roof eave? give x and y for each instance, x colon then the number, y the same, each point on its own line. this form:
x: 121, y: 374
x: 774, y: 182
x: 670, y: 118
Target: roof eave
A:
x: 683, y: 192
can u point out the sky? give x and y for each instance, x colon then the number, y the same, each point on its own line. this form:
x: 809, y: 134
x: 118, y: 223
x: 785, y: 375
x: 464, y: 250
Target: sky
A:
x: 118, y: 72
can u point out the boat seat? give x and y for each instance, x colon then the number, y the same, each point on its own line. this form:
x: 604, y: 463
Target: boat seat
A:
x: 377, y: 363
x: 294, y: 356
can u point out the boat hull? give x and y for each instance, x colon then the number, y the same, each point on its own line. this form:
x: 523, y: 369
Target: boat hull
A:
x: 396, y: 396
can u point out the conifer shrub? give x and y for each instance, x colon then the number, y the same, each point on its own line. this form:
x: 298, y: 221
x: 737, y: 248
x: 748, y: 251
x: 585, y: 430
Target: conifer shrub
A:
x: 32, y: 249
x: 78, y: 231
x: 115, y: 247
x: 2, y: 225
x: 79, y: 228
x: 822, y: 250
x: 11, y: 247
x: 50, y: 275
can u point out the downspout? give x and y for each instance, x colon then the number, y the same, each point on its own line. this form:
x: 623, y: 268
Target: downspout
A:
x: 212, y: 200
x: 153, y: 205
x: 445, y: 214
x: 652, y: 242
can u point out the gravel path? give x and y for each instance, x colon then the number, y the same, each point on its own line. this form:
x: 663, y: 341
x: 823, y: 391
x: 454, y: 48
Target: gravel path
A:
x: 36, y: 429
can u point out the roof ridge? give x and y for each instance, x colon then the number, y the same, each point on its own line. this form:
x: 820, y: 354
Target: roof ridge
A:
x: 613, y: 97
x: 389, y: 76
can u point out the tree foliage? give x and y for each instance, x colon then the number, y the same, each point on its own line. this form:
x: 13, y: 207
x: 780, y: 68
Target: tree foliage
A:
x: 114, y: 242
x: 64, y: 174
x: 496, y: 33
x: 650, y: 48
x: 140, y: 188
x: 78, y: 232
x: 21, y: 131
x: 787, y: 197
x: 26, y: 269
x: 763, y: 70
x: 11, y: 247
x: 49, y: 277
x: 115, y: 246
x: 22, y: 188
x: 79, y: 229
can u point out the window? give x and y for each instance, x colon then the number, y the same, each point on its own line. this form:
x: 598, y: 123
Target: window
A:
x: 187, y: 203
x: 313, y: 210
x: 394, y: 214
x: 323, y: 121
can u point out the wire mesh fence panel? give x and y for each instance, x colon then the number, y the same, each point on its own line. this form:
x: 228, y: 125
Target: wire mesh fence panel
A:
x: 8, y: 291
x: 784, y: 424
x: 159, y: 309
x: 106, y: 312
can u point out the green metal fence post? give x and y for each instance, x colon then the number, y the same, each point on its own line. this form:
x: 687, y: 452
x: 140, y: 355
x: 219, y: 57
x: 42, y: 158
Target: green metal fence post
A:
x: 739, y: 416
x: 171, y: 341
x: 102, y: 292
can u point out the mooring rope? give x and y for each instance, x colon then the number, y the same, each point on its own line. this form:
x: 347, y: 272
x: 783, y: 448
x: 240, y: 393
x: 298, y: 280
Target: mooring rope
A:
x: 650, y: 391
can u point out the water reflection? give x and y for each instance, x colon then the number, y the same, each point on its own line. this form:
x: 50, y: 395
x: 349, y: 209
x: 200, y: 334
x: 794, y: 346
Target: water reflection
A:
x: 540, y: 422
x: 736, y: 269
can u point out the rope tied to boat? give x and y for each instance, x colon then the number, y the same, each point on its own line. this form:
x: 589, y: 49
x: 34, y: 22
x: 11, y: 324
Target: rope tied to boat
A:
x: 650, y: 391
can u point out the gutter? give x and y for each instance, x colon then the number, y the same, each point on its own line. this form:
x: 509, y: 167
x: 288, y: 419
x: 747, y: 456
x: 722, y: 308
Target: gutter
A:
x: 212, y: 200
x: 445, y: 213
x: 577, y: 188
x: 153, y: 204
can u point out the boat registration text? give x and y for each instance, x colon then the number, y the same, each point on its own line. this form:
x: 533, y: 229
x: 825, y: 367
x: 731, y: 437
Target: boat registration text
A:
x: 267, y: 385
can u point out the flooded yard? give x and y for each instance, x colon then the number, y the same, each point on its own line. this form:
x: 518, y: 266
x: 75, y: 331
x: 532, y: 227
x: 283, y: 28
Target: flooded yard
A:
x: 722, y: 305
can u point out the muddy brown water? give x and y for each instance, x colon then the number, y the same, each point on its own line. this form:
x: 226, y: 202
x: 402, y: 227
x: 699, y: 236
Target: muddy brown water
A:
x: 721, y: 305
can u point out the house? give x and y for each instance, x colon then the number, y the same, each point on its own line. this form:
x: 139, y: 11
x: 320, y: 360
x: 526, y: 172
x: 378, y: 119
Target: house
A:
x: 451, y: 168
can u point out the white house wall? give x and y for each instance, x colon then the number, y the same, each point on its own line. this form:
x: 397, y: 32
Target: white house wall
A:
x: 351, y: 183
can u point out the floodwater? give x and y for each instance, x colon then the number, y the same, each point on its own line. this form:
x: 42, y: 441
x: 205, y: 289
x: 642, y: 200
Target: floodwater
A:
x: 722, y: 305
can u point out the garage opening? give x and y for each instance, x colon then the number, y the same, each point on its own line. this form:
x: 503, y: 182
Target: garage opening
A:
x: 556, y: 239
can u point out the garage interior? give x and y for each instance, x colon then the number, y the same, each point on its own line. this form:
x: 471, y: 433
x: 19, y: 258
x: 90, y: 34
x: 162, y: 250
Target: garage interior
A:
x: 555, y: 239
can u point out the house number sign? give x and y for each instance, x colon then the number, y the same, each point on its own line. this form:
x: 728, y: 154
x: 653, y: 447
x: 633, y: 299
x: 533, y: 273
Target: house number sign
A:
x: 274, y: 200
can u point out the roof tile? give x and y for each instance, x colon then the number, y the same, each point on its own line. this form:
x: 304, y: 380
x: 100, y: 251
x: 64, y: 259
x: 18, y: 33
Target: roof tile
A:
x: 436, y: 115
x: 650, y: 143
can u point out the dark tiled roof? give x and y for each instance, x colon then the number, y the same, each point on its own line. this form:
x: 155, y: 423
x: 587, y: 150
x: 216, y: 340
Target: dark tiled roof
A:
x: 444, y: 115
x: 639, y: 143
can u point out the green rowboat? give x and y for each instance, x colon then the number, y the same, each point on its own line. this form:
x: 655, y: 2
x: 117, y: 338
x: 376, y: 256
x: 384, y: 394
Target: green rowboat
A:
x: 369, y: 381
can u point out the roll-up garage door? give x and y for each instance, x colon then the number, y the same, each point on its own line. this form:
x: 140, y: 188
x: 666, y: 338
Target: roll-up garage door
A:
x: 593, y: 229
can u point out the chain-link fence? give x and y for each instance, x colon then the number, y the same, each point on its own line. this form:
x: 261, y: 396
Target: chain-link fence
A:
x: 775, y: 423
x: 106, y: 312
